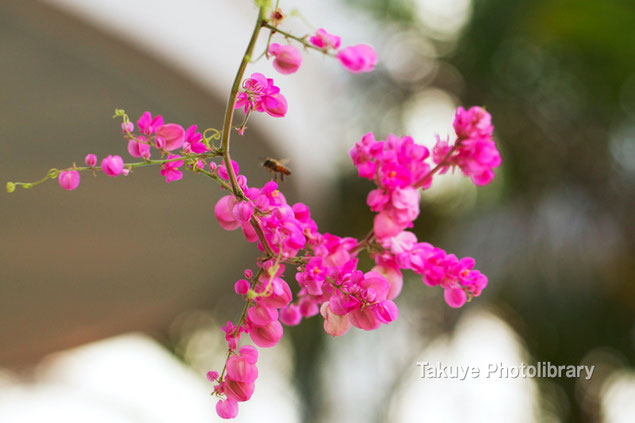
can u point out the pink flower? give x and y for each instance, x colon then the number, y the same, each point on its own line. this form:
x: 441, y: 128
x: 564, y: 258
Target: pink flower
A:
x: 275, y: 105
x: 238, y: 391
x: 365, y: 154
x: 127, y: 127
x: 394, y: 277
x: 224, y: 210
x: 241, y: 368
x: 227, y: 408
x: 287, y: 58
x: 242, y: 287
x: 385, y: 226
x: 290, y: 315
x: 266, y: 336
x: 358, y: 58
x: 148, y: 125
x: 232, y: 334
x: 334, y: 325
x: 472, y: 123
x: 261, y: 95
x: 171, y: 169
x: 192, y: 141
x: 112, y: 165
x: 90, y: 160
x: 474, y: 151
x: 69, y: 179
x: 222, y: 170
x: 455, y: 297
x: 261, y: 315
x: 313, y: 276
x: 139, y: 149
x: 324, y: 40
x: 212, y: 376
x: 243, y: 211
x: 172, y: 134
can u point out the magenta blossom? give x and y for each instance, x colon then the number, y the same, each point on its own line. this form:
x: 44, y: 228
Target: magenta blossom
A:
x: 359, y: 58
x: 139, y: 148
x: 69, y: 179
x: 227, y: 408
x: 192, y: 141
x: 148, y: 125
x: 171, y: 169
x: 474, y: 150
x: 90, y: 160
x: 112, y: 165
x: 173, y: 136
x: 261, y: 95
x: 287, y: 58
x: 324, y: 40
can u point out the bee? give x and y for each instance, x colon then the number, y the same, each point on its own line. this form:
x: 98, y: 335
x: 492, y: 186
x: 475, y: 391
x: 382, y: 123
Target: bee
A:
x: 277, y: 167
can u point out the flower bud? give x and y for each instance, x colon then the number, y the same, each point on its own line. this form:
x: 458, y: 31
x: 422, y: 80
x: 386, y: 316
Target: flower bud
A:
x: 112, y: 165
x: 69, y: 179
x: 238, y: 391
x: 386, y: 311
x: 127, y: 127
x: 250, y: 353
x: 90, y: 160
x: 359, y: 58
x: 227, y: 408
x: 290, y: 315
x: 139, y: 149
x: 266, y: 336
x: 276, y: 106
x: 241, y: 287
x: 240, y: 370
x: 287, y: 58
x: 159, y: 142
x: 323, y: 39
x: 212, y: 376
x: 455, y: 297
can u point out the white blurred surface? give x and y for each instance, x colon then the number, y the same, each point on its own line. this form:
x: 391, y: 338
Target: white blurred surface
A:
x: 131, y: 378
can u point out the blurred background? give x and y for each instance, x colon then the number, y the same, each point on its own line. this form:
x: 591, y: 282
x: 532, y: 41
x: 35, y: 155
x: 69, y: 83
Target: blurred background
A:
x: 111, y: 297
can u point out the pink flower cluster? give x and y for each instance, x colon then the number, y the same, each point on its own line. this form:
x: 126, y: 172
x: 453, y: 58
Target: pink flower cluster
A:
x: 328, y: 277
x: 153, y: 133
x: 239, y: 382
x: 358, y: 58
x: 261, y: 95
x: 398, y: 167
x: 474, y: 150
x: 329, y: 282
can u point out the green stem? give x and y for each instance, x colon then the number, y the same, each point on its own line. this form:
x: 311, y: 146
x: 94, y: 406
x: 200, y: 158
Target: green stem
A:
x: 231, y: 102
x: 254, y: 280
x: 214, y: 177
x: 302, y: 40
x: 54, y: 173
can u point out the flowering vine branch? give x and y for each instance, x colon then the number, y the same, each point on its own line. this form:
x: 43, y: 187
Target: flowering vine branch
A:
x: 329, y: 281
x: 231, y: 102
